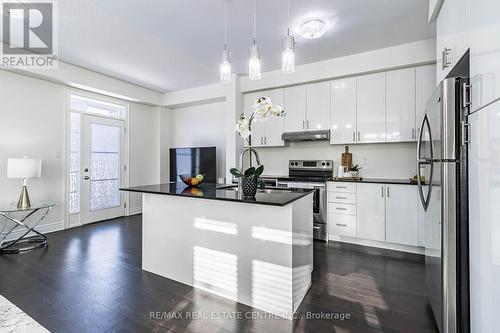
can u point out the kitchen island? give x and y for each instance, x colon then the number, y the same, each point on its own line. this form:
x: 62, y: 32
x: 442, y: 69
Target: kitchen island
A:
x: 257, y: 251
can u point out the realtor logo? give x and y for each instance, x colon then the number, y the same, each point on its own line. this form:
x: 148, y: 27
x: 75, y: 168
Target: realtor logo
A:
x: 28, y: 34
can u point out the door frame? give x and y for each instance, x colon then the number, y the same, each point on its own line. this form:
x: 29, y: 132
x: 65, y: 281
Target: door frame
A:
x: 75, y: 220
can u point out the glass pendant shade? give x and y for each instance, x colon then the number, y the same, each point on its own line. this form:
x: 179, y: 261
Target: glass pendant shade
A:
x: 225, y: 66
x: 254, y: 65
x: 288, y: 55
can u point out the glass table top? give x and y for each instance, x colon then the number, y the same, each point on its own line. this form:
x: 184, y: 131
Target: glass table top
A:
x: 12, y: 208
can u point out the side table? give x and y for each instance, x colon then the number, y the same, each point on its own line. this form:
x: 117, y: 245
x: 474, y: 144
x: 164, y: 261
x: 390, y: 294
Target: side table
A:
x: 23, y: 221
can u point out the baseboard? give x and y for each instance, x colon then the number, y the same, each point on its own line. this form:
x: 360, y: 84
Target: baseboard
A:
x: 380, y: 248
x: 135, y: 210
x: 43, y: 228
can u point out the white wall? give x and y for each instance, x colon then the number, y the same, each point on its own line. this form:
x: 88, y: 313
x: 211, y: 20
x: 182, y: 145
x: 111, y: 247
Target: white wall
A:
x: 32, y: 123
x: 144, y: 150
x: 201, y: 125
x: 385, y: 160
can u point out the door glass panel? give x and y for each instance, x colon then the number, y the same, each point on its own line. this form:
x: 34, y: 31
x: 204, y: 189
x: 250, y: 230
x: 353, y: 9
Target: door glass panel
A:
x: 105, y: 143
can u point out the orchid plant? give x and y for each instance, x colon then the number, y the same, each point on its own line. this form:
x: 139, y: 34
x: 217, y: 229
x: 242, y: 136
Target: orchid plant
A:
x: 263, y: 108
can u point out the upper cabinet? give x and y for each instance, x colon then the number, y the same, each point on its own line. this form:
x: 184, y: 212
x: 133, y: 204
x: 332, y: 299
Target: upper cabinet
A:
x: 371, y: 108
x: 452, y: 40
x: 295, y: 108
x: 400, y: 105
x: 307, y: 107
x: 425, y: 84
x: 268, y: 133
x: 381, y: 107
x: 343, y: 117
x: 318, y: 106
x: 484, y: 36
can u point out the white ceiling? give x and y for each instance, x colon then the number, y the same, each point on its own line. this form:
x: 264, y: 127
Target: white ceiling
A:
x: 174, y: 44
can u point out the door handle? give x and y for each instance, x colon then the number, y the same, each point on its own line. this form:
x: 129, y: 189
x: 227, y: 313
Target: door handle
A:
x: 86, y: 177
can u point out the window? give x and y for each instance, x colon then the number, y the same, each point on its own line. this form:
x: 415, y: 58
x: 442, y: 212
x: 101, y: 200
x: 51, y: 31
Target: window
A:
x: 78, y: 105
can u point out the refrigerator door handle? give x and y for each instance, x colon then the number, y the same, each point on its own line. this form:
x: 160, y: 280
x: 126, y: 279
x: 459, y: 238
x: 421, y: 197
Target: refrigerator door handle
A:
x: 425, y: 124
x: 425, y: 201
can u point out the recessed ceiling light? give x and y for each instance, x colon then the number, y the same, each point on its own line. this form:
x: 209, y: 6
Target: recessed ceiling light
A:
x: 312, y: 28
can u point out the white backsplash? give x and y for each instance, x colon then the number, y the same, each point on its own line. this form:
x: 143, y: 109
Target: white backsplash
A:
x: 383, y: 160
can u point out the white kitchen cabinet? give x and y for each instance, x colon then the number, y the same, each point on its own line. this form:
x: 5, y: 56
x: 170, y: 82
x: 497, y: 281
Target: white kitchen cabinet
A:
x: 371, y: 108
x: 342, y: 225
x: 258, y: 128
x: 420, y: 222
x: 343, y: 112
x: 318, y: 106
x: 452, y: 38
x: 484, y: 218
x: 268, y: 133
x: 401, y: 214
x: 275, y: 126
x: 425, y: 84
x: 371, y: 211
x: 400, y: 105
x: 295, y: 108
x: 484, y: 32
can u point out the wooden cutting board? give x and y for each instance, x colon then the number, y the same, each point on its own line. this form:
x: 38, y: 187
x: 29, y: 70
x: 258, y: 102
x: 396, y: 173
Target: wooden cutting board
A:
x: 347, y: 158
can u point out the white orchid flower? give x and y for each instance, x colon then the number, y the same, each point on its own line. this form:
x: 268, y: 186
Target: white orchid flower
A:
x: 243, y: 127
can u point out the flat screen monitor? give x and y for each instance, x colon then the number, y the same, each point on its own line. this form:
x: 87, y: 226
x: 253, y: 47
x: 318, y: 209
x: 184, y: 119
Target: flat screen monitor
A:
x: 193, y: 161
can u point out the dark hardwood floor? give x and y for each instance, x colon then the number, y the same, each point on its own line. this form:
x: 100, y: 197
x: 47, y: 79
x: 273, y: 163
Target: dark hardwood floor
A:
x: 89, y: 279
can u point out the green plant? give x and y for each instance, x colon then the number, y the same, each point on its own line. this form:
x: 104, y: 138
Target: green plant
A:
x: 250, y: 172
x: 355, y: 168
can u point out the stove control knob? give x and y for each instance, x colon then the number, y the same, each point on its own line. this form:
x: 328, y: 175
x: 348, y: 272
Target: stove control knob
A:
x: 323, y: 164
x: 328, y: 163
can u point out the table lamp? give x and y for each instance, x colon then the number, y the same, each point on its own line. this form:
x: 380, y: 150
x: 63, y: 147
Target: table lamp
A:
x: 24, y: 168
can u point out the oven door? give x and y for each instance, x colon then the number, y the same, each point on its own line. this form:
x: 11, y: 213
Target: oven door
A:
x: 319, y: 204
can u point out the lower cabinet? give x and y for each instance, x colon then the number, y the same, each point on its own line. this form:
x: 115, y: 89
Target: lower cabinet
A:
x: 371, y: 211
x: 401, y: 214
x: 379, y: 212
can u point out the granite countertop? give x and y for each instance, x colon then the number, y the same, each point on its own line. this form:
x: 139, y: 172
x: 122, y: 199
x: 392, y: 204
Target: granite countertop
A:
x: 268, y: 196
x: 377, y: 181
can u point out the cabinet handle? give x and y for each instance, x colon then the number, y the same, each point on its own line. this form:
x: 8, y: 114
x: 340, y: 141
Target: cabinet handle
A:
x: 341, y: 198
x: 445, y: 55
x: 353, y: 136
x: 339, y: 208
x: 413, y: 133
x: 382, y: 191
x: 307, y: 124
x: 359, y: 136
x: 340, y: 187
x: 303, y: 124
x: 388, y: 192
x: 341, y: 225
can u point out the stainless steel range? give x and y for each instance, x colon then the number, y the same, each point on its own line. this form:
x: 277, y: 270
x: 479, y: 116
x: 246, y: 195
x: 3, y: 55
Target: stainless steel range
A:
x: 311, y: 174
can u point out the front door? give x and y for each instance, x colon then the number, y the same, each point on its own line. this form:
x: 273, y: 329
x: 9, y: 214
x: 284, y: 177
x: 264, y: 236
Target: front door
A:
x: 103, y: 166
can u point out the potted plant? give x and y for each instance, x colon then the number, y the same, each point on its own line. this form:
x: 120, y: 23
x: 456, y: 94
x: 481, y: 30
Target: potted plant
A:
x: 354, y: 171
x: 263, y: 108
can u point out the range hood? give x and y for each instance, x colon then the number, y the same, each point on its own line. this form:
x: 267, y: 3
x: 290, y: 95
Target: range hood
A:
x: 321, y: 135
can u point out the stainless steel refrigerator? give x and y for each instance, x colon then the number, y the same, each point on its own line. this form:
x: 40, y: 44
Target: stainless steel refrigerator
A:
x: 442, y: 160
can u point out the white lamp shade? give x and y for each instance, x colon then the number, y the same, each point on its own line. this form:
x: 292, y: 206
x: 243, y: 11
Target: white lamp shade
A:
x: 24, y: 168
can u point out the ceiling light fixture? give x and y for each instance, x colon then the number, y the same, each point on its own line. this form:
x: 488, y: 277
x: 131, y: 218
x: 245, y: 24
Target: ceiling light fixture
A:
x: 312, y: 28
x: 225, y: 65
x: 254, y: 65
x: 288, y: 55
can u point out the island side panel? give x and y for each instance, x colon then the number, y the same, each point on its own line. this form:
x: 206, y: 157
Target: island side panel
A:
x: 240, y: 251
x: 302, y: 252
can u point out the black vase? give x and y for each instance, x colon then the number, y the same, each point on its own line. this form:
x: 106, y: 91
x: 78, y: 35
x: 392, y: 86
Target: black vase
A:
x: 249, y: 186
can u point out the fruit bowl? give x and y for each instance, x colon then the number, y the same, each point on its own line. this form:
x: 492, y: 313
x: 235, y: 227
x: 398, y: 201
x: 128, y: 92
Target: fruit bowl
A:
x: 189, y: 180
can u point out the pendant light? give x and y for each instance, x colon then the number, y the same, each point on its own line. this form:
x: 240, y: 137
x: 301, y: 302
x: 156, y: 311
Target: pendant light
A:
x: 254, y: 65
x: 288, y: 55
x: 225, y: 65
